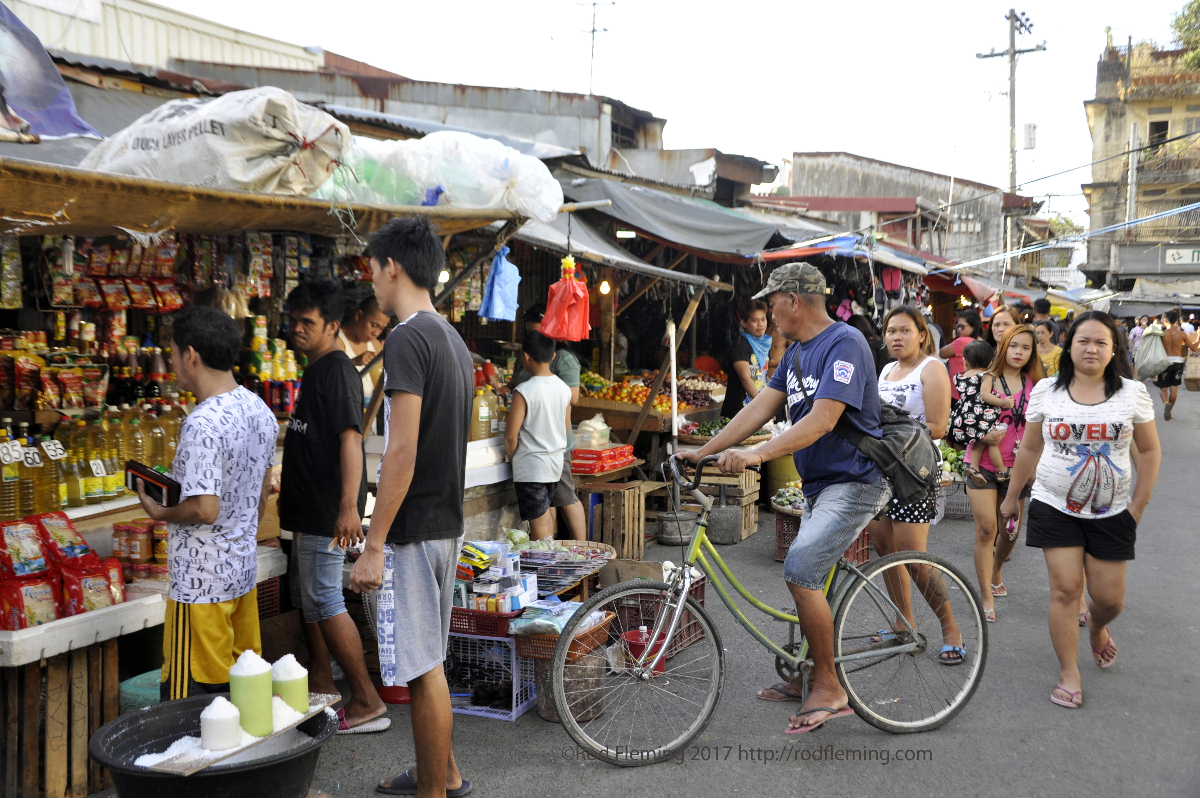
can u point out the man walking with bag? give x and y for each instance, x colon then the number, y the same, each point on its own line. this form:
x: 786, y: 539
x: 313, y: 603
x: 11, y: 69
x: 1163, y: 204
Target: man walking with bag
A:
x: 826, y: 376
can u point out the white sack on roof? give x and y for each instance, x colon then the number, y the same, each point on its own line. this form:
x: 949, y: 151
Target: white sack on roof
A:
x: 473, y: 172
x: 262, y: 140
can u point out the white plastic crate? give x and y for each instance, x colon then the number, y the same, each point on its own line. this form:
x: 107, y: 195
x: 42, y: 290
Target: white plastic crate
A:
x: 78, y: 631
x: 956, y: 504
x: 474, y: 660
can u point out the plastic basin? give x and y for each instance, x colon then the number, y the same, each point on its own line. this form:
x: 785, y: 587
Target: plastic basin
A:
x: 117, y: 744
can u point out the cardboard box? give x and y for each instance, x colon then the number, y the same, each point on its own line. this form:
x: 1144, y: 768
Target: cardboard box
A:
x: 617, y: 571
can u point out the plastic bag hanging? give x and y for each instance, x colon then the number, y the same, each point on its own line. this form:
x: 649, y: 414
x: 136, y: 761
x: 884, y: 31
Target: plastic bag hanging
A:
x: 567, y: 307
x: 500, y: 295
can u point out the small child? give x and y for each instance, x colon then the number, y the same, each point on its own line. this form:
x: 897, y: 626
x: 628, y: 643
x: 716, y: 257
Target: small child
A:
x: 977, y: 410
x: 536, y: 437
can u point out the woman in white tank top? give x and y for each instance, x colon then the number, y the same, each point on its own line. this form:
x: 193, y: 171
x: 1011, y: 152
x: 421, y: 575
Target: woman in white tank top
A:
x: 918, y: 383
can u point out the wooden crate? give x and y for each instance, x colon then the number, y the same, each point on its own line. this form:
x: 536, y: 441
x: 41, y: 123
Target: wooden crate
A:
x: 732, y: 484
x: 750, y: 518
x: 50, y: 710
x: 623, y: 517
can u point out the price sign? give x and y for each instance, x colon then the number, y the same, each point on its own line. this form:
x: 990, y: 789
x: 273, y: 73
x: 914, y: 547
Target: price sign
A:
x: 11, y: 452
x: 98, y: 468
x: 32, y: 457
x: 54, y: 449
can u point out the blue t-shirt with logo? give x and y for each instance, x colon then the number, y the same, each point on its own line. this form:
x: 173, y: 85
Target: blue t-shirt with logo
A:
x: 836, y: 364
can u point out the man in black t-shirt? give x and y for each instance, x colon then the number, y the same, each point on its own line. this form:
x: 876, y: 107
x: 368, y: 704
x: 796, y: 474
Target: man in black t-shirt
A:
x: 417, y: 527
x: 322, y: 492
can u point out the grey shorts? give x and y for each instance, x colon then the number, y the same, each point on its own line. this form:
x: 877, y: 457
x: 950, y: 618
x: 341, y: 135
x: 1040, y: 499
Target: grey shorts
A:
x: 839, y: 513
x: 413, y: 615
x: 563, y: 494
x: 318, y: 576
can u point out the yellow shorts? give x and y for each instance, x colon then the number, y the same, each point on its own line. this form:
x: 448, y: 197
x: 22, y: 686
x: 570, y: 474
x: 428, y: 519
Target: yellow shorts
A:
x: 202, y: 641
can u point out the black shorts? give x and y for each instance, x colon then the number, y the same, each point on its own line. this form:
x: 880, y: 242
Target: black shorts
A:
x: 1110, y: 538
x: 535, y: 498
x: 1172, y: 377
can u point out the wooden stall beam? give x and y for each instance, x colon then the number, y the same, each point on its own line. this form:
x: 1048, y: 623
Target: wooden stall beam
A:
x: 641, y: 291
x: 686, y: 322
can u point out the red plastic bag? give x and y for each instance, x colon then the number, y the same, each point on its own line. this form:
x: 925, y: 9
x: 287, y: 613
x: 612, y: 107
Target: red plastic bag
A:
x: 27, y: 602
x: 21, y: 550
x: 64, y: 546
x: 85, y: 590
x: 567, y: 307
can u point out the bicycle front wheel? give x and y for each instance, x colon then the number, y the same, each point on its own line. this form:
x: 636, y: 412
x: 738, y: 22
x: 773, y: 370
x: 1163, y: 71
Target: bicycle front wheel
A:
x: 618, y: 711
x: 916, y: 690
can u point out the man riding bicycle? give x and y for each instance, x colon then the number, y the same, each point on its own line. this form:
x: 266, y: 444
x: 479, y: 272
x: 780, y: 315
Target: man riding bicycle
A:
x: 828, y: 373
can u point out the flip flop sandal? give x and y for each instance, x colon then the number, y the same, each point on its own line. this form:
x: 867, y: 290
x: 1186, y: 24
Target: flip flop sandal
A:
x: 1073, y: 698
x: 784, y: 689
x: 989, y: 616
x: 406, y: 784
x: 999, y: 591
x: 372, y: 726
x: 959, y: 655
x: 1084, y: 617
x: 884, y: 636
x: 812, y: 727
x: 1106, y: 655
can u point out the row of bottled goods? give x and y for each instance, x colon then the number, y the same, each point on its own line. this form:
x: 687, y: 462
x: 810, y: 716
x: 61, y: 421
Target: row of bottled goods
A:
x: 84, y: 461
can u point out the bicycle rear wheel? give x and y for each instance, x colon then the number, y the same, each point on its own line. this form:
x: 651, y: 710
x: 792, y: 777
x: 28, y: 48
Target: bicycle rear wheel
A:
x: 904, y: 692
x: 612, y: 711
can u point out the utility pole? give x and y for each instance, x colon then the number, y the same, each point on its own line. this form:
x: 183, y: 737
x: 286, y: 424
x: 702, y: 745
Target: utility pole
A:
x: 1017, y: 23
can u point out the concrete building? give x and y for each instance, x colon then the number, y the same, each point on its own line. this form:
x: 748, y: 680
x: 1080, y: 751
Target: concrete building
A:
x: 941, y: 214
x: 1144, y: 96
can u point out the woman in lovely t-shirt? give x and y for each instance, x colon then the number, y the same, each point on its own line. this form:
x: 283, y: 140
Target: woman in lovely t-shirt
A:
x: 1086, y: 507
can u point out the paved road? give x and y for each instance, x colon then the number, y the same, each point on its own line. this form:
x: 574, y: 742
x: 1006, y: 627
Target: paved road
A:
x: 1138, y: 733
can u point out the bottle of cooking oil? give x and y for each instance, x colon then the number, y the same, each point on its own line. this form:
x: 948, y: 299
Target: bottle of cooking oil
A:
x: 136, y: 442
x: 156, y: 446
x: 28, y: 482
x: 116, y: 433
x: 9, y: 504
x: 94, y: 471
x: 114, y: 482
x: 54, y: 486
x: 72, y: 468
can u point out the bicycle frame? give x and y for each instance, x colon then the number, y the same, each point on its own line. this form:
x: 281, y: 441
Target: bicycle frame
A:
x: 704, y: 555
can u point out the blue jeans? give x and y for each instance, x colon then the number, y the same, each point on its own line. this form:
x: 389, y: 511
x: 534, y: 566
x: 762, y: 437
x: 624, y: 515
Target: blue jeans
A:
x: 319, y: 576
x: 839, y: 513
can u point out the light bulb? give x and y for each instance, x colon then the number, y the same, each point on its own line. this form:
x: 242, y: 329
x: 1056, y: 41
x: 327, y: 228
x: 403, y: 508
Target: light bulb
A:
x: 605, y: 287
x: 626, y: 234
x: 444, y: 276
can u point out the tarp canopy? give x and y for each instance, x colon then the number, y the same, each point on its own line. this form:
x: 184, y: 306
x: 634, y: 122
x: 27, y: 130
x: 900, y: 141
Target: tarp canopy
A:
x: 983, y: 288
x: 1126, y: 304
x: 587, y: 244
x: 849, y: 246
x: 41, y: 198
x: 713, y: 231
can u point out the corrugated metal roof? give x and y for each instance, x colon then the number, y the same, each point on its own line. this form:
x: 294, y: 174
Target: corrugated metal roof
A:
x: 420, y: 127
x: 163, y: 78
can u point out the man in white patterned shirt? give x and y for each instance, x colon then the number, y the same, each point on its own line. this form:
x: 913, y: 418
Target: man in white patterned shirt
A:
x: 225, y: 449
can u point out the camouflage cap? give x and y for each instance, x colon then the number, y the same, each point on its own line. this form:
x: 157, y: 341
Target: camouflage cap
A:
x: 794, y: 278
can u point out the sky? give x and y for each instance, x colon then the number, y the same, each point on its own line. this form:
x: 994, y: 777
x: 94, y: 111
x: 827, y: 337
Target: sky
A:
x: 765, y: 78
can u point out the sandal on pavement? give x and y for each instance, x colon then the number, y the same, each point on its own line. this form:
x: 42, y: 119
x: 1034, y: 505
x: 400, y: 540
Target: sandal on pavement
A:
x: 780, y: 692
x: 989, y: 616
x: 380, y: 723
x: 884, y: 636
x: 406, y: 784
x: 952, y: 655
x: 1084, y: 617
x: 812, y: 727
x: 1071, y: 699
x: 1000, y: 590
x: 1106, y: 655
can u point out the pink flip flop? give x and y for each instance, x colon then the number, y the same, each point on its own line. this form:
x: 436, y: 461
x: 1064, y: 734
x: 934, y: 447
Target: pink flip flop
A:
x: 834, y: 713
x: 1106, y: 655
x: 1073, y: 700
x: 372, y: 726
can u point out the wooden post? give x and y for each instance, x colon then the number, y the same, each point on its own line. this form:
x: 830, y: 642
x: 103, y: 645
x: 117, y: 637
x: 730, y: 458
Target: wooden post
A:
x: 78, y: 757
x: 112, y: 681
x: 12, y: 729
x: 608, y: 325
x: 684, y: 324
x: 95, y: 697
x: 55, y: 734
x: 31, y: 715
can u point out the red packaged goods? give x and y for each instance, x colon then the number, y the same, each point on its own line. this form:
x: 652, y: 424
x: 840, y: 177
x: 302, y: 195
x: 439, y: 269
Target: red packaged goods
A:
x: 141, y: 295
x: 27, y: 371
x: 73, y: 386
x: 85, y: 591
x: 116, y: 579
x: 29, y: 602
x: 95, y: 385
x: 63, y: 544
x: 169, y: 298
x: 62, y: 289
x: 617, y: 451
x: 49, y: 397
x: 99, y: 260
x: 115, y: 295
x: 87, y: 294
x: 119, y: 261
x: 21, y: 551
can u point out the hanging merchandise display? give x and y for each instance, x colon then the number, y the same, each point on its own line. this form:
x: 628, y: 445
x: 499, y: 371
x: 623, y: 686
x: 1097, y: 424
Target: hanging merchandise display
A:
x: 500, y: 295
x: 567, y: 306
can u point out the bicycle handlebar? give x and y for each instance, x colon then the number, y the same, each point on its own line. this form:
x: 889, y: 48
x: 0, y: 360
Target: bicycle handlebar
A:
x: 680, y: 477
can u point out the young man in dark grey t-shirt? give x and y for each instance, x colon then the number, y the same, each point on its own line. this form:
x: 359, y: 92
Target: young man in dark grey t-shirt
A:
x: 417, y: 526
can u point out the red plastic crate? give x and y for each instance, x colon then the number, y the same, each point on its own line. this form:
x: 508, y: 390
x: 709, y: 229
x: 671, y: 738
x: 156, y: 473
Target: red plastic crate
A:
x: 616, y: 451
x: 465, y: 621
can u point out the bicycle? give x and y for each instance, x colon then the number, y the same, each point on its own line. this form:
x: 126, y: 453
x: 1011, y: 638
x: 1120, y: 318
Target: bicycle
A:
x: 618, y: 694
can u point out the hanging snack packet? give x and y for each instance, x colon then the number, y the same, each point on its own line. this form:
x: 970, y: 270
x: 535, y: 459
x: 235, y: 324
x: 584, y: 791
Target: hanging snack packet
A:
x: 94, y: 386
x: 21, y: 552
x: 29, y: 602
x: 85, y: 591
x: 62, y: 289
x: 27, y: 372
x: 10, y: 272
x: 115, y: 295
x: 72, y: 382
x: 116, y: 579
x: 63, y: 544
x: 169, y: 298
x: 49, y: 396
x: 141, y: 295
x: 99, y: 260
x: 87, y: 294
